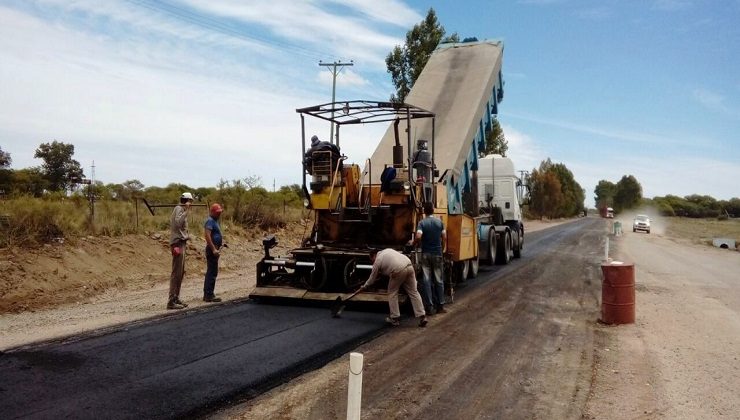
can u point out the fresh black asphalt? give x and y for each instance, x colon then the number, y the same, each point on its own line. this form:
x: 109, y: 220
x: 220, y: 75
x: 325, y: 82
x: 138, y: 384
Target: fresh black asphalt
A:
x: 193, y: 362
x: 176, y: 367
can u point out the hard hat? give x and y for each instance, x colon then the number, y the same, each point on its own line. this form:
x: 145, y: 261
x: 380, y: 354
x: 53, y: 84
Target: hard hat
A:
x: 314, y: 140
x: 187, y: 195
x: 216, y: 208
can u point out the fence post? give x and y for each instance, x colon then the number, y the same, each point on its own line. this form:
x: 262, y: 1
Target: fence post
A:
x: 354, y: 389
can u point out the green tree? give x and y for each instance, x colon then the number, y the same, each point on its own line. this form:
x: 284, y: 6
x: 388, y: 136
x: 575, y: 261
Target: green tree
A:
x: 554, y: 191
x: 6, y: 175
x: 604, y: 194
x: 733, y: 207
x: 545, y: 194
x: 496, y: 142
x: 406, y: 62
x: 60, y: 170
x: 5, y: 159
x: 573, y: 194
x: 133, y: 187
x: 29, y: 181
x: 628, y: 193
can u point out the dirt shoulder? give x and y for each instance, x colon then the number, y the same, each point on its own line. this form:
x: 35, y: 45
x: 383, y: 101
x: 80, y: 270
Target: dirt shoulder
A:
x: 680, y: 359
x: 65, y: 289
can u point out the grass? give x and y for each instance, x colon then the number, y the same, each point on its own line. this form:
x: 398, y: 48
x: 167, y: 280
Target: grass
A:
x: 35, y: 221
x: 703, y: 230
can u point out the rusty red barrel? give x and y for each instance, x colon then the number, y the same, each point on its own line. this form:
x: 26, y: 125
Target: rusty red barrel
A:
x: 618, y: 293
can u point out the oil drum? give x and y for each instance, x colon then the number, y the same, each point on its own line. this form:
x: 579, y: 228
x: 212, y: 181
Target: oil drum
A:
x: 618, y: 293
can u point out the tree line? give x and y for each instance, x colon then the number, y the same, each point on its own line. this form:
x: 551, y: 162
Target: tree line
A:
x: 554, y: 192
x: 60, y: 177
x: 625, y: 194
x: 695, y: 205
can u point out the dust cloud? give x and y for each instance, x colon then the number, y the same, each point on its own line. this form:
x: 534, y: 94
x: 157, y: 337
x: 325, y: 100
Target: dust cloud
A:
x: 658, y: 223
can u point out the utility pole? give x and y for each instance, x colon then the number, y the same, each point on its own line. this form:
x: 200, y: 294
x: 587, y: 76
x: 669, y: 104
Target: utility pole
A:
x: 91, y: 192
x: 336, y: 68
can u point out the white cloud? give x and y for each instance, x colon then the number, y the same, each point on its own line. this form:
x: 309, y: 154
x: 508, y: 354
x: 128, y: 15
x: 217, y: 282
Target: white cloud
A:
x: 594, y: 13
x: 344, y: 78
x: 715, y: 102
x: 541, y: 2
x: 523, y: 149
x: 672, y: 5
x: 305, y: 22
x: 617, y: 134
x: 161, y: 109
x: 389, y: 11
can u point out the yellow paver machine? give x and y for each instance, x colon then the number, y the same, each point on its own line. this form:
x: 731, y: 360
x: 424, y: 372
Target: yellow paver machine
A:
x: 429, y: 153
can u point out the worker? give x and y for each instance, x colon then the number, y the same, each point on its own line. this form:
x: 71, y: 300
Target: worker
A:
x: 431, y: 233
x: 422, y: 162
x: 178, y: 242
x: 214, y: 241
x: 400, y: 271
x: 321, y: 146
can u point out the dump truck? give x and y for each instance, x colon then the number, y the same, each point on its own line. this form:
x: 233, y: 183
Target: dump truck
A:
x: 431, y: 152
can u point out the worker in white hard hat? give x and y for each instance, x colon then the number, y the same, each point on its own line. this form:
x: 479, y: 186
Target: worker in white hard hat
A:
x: 178, y: 241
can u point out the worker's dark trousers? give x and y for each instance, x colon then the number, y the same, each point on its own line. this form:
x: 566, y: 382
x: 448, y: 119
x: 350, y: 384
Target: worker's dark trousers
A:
x: 209, y: 284
x: 178, y: 270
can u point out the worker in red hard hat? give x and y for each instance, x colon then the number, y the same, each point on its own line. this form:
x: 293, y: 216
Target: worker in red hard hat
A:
x: 214, y: 242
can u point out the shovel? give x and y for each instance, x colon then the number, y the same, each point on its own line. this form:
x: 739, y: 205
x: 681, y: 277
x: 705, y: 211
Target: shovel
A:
x: 339, y: 304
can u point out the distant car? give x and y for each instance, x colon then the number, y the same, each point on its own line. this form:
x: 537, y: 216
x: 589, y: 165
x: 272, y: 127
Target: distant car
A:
x: 641, y: 222
x: 609, y: 213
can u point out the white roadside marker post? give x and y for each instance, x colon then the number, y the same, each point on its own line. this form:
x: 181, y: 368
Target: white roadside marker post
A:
x: 354, y: 389
x: 606, y: 250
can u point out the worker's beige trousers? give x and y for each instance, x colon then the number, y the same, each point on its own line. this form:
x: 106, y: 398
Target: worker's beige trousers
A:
x: 405, y: 278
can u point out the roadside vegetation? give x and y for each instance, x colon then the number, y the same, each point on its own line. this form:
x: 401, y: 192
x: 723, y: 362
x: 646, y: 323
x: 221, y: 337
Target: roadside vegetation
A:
x: 54, y: 202
x: 29, y: 221
x: 696, y: 206
x: 627, y: 194
x: 703, y: 231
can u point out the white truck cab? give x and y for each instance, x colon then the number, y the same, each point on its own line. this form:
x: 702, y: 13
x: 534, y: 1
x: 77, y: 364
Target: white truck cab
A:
x: 497, y: 176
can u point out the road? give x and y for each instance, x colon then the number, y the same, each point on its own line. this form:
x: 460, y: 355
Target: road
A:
x: 514, y: 323
x: 517, y: 343
x: 178, y: 366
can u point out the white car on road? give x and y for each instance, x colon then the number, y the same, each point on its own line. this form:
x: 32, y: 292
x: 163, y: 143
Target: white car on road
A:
x: 641, y: 222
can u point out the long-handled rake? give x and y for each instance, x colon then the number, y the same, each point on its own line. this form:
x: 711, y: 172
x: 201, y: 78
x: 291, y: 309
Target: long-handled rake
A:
x: 338, y: 306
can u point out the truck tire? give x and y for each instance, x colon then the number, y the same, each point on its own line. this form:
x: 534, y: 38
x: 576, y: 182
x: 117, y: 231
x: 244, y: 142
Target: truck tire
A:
x: 459, y: 271
x: 473, y: 267
x: 519, y: 244
x: 491, y: 245
x: 503, y: 254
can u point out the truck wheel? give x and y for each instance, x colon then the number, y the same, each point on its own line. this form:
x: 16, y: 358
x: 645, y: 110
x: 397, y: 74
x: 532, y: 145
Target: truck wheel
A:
x: 491, y: 260
x: 519, y: 244
x: 503, y: 256
x: 473, y: 268
x: 459, y: 271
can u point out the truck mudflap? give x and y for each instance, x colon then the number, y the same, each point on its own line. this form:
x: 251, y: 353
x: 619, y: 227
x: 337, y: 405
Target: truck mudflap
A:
x: 294, y: 293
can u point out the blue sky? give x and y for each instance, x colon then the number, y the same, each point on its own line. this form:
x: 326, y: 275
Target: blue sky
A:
x: 193, y: 91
